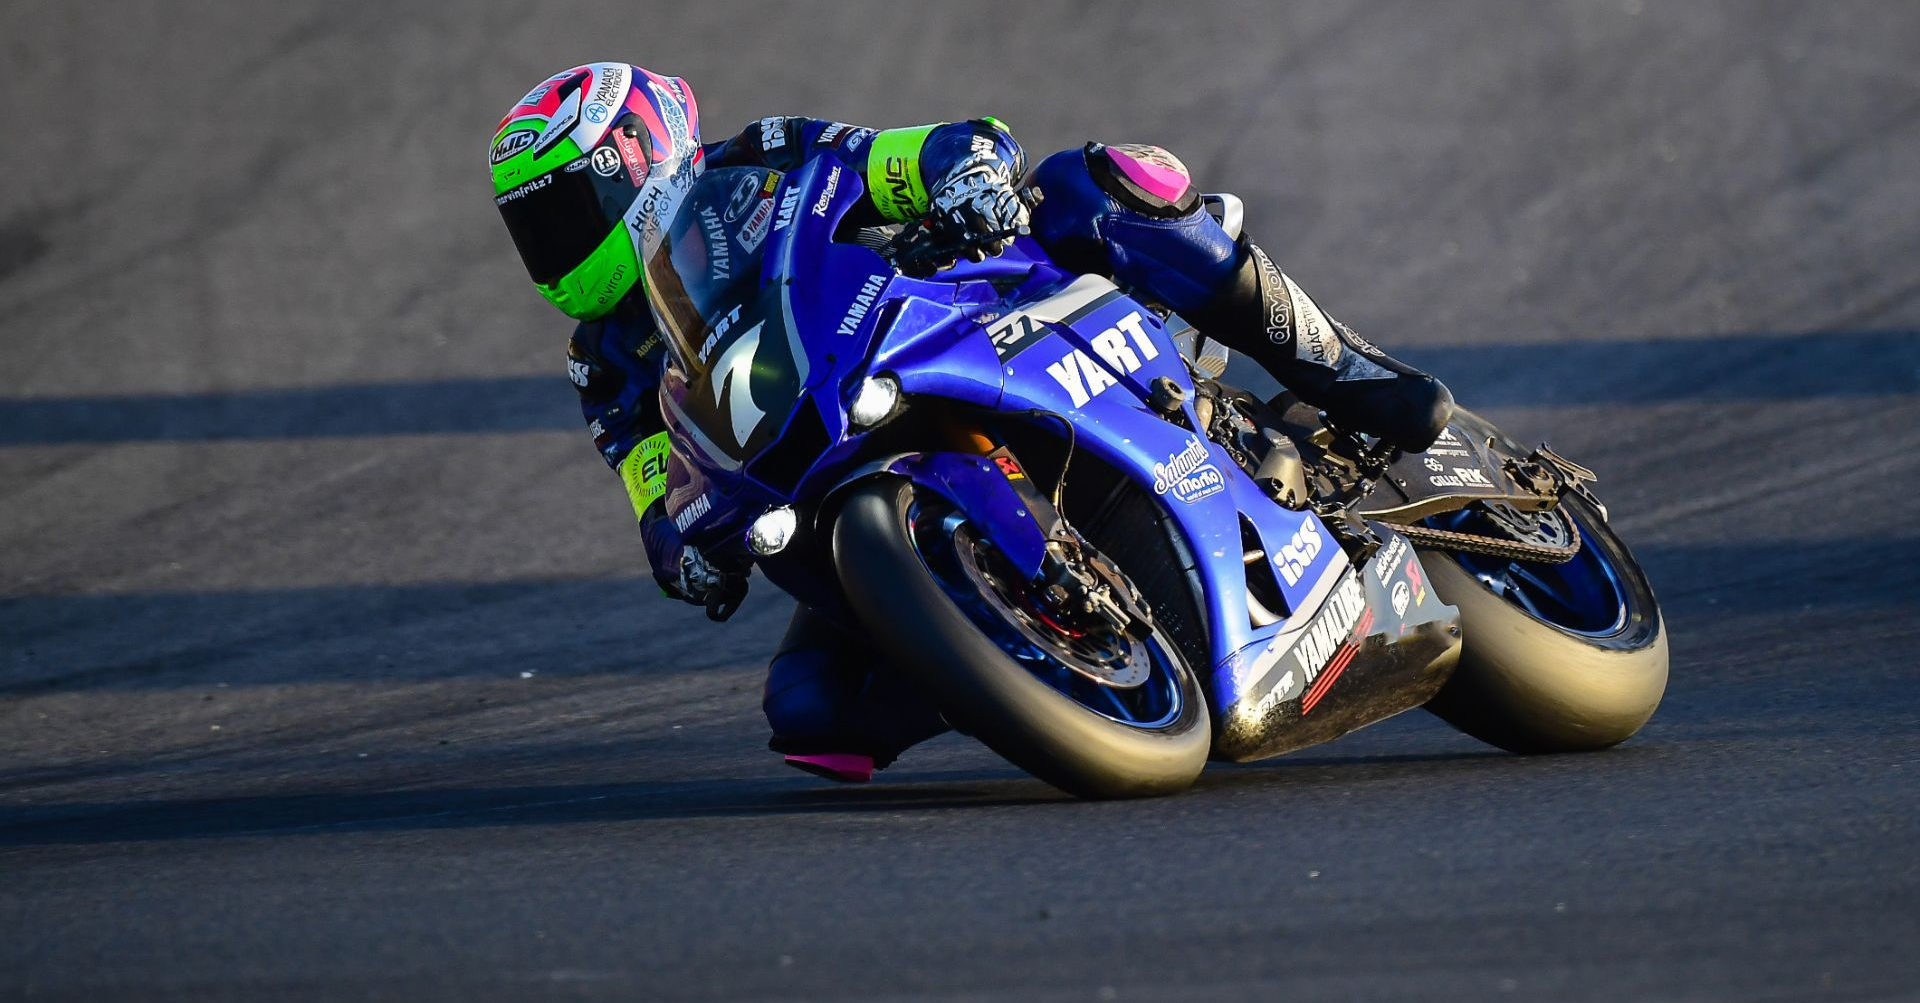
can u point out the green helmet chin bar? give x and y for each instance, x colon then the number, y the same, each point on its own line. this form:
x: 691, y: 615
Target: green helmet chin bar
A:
x: 591, y: 290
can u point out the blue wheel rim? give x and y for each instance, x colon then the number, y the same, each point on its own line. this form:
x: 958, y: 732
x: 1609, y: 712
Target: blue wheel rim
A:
x: 1585, y: 596
x: 1156, y: 703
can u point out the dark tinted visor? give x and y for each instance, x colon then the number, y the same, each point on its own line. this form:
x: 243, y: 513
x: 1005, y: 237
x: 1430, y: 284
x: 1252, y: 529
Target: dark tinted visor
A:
x: 557, y: 219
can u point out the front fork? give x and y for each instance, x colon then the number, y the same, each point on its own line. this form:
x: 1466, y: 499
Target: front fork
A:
x: 1072, y: 582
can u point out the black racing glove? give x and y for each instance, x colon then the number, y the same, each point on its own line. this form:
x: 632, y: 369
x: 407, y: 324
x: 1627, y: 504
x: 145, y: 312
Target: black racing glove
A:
x: 977, y: 210
x: 687, y: 574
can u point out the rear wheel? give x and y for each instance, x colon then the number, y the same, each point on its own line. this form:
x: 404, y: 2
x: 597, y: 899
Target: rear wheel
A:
x: 1097, y: 714
x: 1555, y: 657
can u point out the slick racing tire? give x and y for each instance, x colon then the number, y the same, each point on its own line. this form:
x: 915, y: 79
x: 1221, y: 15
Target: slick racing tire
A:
x: 1537, y: 675
x: 887, y: 560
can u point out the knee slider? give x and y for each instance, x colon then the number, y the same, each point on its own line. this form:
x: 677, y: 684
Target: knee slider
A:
x: 1146, y: 179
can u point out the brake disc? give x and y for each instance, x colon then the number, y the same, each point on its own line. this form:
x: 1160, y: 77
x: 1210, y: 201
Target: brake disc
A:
x: 1110, y: 658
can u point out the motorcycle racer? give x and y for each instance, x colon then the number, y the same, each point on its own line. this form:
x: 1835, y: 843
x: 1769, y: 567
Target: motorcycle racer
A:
x: 589, y: 168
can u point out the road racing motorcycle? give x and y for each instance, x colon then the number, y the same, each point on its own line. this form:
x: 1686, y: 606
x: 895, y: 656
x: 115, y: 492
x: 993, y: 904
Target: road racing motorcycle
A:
x: 1034, y: 492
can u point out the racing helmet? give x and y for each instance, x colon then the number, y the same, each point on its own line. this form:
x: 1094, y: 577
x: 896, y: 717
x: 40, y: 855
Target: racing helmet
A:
x: 588, y: 170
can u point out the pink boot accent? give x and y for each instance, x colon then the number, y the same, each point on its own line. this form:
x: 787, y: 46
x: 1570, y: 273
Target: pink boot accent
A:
x: 1160, y: 173
x: 845, y: 767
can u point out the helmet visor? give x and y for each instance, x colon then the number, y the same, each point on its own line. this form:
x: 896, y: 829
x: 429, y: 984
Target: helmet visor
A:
x: 557, y: 219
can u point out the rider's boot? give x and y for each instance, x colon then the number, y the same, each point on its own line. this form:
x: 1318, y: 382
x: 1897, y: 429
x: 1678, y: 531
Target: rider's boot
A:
x: 1132, y: 213
x: 1262, y: 312
x: 833, y: 715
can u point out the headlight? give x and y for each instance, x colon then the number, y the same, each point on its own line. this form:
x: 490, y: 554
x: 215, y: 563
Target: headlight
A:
x: 875, y: 401
x: 770, y: 533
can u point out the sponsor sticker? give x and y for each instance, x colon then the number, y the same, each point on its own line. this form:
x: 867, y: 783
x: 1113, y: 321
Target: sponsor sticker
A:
x: 632, y: 154
x: 1279, y: 311
x: 1015, y: 334
x: 719, y: 252
x: 510, y: 144
x: 524, y: 190
x: 1402, y: 595
x: 1462, y: 477
x: 1389, y: 560
x: 1189, y: 474
x: 755, y: 229
x: 1317, y: 342
x: 773, y: 133
x: 606, y: 161
x: 609, y: 88
x: 1448, y: 444
x: 788, y: 203
x: 578, y: 372
x: 862, y: 302
x: 695, y: 509
x: 1323, y: 650
x: 742, y: 199
x: 1297, y: 556
x: 826, y: 194
x: 1084, y: 378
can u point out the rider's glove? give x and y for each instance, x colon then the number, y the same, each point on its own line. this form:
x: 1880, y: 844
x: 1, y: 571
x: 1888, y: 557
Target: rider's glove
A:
x: 976, y: 207
x: 687, y: 574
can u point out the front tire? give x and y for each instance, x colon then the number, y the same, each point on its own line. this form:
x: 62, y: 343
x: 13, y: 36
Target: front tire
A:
x: 986, y: 692
x: 1529, y: 684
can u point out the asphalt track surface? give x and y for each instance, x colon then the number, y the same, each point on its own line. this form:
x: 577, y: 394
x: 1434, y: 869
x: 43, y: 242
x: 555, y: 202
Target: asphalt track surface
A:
x: 330, y: 670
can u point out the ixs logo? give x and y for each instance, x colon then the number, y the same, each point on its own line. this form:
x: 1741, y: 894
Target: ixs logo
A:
x: 1084, y: 378
x: 1188, y: 474
x: 510, y: 144
x: 578, y: 372
x: 1297, y: 556
x: 862, y: 302
x: 773, y: 133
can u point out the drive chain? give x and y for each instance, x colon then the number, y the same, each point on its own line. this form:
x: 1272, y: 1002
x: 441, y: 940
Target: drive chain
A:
x: 1474, y: 543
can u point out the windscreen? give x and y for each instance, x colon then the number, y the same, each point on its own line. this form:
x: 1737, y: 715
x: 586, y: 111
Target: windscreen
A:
x: 705, y: 276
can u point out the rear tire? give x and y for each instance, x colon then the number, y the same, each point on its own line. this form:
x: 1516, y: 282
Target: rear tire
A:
x: 1530, y: 686
x: 987, y: 693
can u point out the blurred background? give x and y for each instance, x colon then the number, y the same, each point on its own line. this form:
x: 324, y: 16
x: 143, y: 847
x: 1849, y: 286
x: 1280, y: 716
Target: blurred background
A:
x: 329, y: 665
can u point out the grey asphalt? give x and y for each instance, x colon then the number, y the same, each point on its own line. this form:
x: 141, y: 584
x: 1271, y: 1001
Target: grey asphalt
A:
x: 329, y: 670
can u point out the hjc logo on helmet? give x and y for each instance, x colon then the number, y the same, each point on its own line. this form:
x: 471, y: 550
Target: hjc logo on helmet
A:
x: 510, y: 144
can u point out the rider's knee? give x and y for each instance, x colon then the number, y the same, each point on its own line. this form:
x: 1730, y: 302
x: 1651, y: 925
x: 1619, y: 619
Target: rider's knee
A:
x: 1132, y: 213
x: 804, y: 694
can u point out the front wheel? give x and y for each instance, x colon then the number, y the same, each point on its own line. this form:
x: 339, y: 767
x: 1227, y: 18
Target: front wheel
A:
x: 1098, y: 716
x: 1555, y: 657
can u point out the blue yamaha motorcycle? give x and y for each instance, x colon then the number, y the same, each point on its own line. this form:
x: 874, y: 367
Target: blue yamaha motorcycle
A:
x: 1032, y: 490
